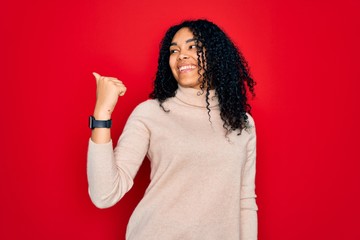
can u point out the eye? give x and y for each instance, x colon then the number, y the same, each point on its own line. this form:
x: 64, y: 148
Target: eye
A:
x: 173, y: 51
x: 193, y: 47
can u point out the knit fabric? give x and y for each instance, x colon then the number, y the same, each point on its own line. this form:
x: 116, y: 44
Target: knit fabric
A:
x: 202, y: 180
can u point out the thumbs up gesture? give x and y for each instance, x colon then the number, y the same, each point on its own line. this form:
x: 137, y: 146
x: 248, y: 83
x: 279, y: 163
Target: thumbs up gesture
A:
x: 108, y: 90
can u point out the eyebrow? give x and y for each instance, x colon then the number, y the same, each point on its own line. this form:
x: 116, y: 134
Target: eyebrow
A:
x: 187, y: 41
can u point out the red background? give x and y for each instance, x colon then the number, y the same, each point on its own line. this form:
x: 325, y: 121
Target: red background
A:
x: 303, y: 54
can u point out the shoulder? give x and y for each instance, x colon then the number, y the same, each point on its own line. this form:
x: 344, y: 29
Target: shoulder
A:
x: 148, y: 107
x: 250, y: 126
x: 251, y: 121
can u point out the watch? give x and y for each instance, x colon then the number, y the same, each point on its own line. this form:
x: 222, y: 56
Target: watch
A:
x: 93, y: 123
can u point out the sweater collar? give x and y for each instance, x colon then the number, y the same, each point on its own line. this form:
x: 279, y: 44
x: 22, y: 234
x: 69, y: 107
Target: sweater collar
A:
x: 195, y: 97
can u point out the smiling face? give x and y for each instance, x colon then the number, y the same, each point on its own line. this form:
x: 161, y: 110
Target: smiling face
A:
x: 183, y: 59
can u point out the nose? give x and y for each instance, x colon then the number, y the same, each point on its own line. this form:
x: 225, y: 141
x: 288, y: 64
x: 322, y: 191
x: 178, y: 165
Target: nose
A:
x: 182, y: 56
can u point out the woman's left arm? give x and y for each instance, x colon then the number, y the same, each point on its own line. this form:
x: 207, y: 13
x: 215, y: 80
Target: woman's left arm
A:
x: 248, y: 211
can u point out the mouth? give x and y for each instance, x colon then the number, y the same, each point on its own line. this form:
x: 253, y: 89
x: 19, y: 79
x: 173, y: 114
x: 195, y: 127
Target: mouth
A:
x: 186, y: 68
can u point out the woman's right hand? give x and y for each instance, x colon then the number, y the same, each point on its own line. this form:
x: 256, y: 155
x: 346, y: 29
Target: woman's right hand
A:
x: 108, y: 90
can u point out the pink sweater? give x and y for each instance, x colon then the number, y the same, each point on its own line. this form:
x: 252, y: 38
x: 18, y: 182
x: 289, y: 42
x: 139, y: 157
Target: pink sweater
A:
x: 202, y: 182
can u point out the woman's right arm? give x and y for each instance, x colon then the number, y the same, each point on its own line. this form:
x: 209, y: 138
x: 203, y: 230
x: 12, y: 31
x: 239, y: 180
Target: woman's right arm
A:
x: 102, y: 172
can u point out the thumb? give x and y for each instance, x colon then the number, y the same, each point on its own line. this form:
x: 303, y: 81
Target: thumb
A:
x: 97, y: 76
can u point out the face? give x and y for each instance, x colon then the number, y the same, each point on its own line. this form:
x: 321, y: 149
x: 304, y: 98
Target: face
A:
x: 183, y: 59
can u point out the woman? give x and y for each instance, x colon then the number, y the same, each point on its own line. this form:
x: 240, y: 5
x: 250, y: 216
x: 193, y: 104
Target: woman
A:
x: 202, y: 162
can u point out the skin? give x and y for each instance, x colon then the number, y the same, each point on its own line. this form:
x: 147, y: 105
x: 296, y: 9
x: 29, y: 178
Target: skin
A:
x: 108, y: 90
x: 183, y: 59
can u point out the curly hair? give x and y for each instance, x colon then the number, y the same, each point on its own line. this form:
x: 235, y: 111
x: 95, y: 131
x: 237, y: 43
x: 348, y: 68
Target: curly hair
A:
x: 226, y: 71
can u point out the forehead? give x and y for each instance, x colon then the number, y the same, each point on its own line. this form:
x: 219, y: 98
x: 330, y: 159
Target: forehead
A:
x: 182, y: 35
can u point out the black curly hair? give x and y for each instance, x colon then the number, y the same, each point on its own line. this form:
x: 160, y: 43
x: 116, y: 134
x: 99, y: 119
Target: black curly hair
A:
x: 226, y: 71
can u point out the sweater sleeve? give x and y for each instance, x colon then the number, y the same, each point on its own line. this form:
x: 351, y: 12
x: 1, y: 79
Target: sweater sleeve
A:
x: 111, y: 171
x: 248, y: 212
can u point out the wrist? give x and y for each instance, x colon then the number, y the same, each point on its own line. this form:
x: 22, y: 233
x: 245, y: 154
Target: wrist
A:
x: 95, y: 123
x: 102, y: 115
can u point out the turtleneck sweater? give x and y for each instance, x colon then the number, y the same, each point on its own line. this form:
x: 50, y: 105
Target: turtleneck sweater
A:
x: 202, y: 180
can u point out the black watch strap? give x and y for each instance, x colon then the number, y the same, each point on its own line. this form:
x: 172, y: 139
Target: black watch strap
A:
x: 93, y: 123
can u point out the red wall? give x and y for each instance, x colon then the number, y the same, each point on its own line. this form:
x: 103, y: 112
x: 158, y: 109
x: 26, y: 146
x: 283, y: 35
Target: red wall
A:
x: 303, y: 54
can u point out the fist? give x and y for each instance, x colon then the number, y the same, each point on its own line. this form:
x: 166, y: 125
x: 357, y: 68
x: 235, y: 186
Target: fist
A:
x: 108, y: 90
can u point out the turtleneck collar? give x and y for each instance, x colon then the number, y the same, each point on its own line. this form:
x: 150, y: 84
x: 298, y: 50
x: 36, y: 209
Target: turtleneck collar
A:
x: 195, y: 97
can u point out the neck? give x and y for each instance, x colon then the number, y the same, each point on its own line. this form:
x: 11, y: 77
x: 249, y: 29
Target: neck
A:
x: 196, y: 97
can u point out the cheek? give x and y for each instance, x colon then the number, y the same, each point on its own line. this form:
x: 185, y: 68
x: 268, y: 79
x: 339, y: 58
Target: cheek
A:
x: 172, y: 62
x: 173, y: 67
x: 171, y: 58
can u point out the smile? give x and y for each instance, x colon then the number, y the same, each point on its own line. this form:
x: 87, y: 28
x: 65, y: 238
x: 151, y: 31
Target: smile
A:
x: 186, y: 67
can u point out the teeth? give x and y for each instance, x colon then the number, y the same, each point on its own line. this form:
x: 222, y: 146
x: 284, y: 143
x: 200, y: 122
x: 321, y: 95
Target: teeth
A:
x: 182, y: 68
